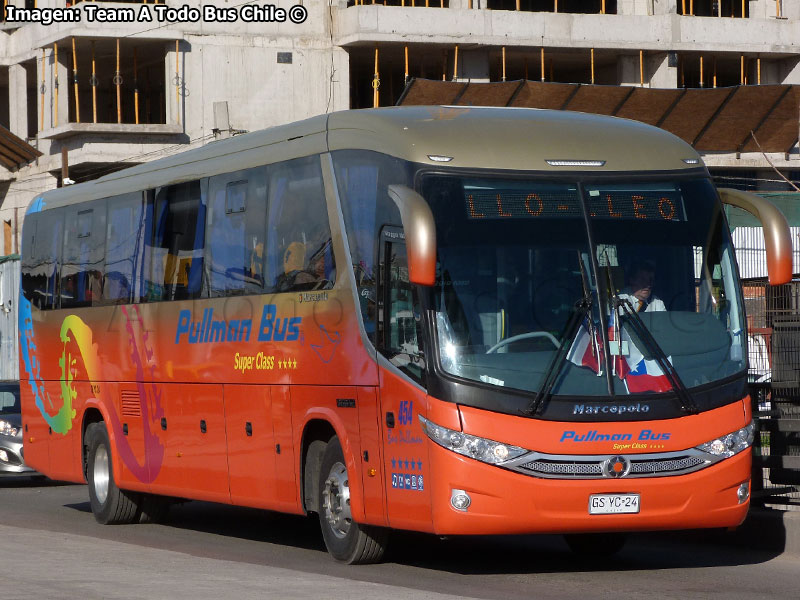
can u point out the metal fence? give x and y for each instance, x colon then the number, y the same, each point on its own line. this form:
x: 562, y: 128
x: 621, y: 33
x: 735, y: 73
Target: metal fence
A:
x: 9, y: 284
x: 773, y: 314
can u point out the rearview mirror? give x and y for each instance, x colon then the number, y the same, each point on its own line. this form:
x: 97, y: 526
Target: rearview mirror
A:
x: 777, y: 236
x: 420, y: 232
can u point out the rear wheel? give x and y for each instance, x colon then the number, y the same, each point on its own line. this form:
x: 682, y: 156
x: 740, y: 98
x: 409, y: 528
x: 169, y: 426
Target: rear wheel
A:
x: 346, y: 540
x: 110, y: 505
x: 596, y: 544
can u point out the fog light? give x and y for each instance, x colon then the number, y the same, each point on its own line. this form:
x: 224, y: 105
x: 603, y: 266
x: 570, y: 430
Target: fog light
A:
x: 3, y: 456
x: 743, y: 492
x: 460, y: 500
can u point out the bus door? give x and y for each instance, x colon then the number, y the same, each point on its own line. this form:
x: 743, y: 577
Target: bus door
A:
x: 402, y: 395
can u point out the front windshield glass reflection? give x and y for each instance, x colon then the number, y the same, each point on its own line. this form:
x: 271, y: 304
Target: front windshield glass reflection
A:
x: 514, y: 259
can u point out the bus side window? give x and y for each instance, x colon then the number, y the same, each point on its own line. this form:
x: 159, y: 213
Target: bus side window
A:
x: 40, y: 272
x: 125, y: 239
x: 237, y: 212
x: 175, y: 255
x: 84, y: 247
x: 362, y: 178
x: 401, y: 324
x: 299, y: 247
x: 27, y: 266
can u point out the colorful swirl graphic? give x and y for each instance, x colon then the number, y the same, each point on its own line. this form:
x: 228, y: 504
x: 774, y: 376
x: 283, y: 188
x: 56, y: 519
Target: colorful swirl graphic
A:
x: 61, y: 421
x: 74, y: 329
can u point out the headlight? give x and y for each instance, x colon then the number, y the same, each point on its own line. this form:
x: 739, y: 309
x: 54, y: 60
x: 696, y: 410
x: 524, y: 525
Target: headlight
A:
x: 479, y: 448
x: 733, y: 443
x: 7, y: 428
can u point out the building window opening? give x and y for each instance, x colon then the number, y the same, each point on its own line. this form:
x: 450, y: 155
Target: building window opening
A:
x: 709, y: 71
x: 406, y: 3
x: 591, y: 7
x: 713, y: 8
x: 106, y: 84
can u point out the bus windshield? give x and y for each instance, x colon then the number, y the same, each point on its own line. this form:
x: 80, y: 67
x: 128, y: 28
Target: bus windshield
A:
x: 619, y: 276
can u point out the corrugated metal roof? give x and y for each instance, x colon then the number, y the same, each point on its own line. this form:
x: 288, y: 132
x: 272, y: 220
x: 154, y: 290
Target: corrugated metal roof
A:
x: 14, y: 151
x: 711, y: 120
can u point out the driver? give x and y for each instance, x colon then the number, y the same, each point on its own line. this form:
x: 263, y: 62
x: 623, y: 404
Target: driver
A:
x: 639, y: 291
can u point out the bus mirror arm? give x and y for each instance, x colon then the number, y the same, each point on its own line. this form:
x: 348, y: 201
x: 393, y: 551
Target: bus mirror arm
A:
x: 777, y: 236
x: 420, y: 233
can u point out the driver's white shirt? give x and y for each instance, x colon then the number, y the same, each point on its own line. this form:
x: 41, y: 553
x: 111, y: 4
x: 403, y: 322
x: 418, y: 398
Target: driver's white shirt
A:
x: 655, y: 304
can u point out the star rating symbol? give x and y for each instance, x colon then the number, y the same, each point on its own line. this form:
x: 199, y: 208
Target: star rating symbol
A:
x: 287, y: 363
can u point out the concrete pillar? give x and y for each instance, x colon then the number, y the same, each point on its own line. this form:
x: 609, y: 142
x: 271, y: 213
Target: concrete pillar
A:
x: 768, y: 9
x: 628, y: 69
x: 464, y: 4
x: 63, y: 87
x: 665, y: 7
x: 789, y: 70
x: 657, y: 72
x: 50, y: 68
x: 636, y: 7
x: 770, y: 72
x: 17, y: 101
x: 174, y: 106
x: 473, y: 65
x: 789, y: 10
x: 657, y: 68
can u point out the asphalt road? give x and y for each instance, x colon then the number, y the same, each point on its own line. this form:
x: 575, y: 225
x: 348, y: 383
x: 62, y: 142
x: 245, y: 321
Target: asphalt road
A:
x: 51, y: 547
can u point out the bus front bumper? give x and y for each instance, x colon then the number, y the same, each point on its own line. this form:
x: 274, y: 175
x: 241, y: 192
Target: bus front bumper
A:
x: 507, y: 502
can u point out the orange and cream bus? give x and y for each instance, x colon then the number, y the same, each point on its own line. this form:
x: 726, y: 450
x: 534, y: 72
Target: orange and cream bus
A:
x: 442, y: 319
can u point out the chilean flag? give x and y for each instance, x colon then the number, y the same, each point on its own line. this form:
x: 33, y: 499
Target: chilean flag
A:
x: 584, y: 352
x: 647, y: 376
x: 640, y: 375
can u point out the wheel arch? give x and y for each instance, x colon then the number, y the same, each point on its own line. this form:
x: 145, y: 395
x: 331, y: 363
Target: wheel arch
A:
x: 317, y: 432
x: 92, y: 414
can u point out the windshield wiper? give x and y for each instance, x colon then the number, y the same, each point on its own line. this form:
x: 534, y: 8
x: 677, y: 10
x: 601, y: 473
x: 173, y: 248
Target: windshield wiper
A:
x: 688, y: 405
x: 579, y: 312
x: 581, y: 309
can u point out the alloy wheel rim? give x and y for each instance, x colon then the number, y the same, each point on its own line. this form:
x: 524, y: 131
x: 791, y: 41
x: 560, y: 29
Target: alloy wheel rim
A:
x: 101, y: 475
x: 336, y: 501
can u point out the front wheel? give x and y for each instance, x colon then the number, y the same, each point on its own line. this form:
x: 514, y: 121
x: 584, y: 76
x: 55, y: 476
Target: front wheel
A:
x: 346, y: 540
x: 110, y: 505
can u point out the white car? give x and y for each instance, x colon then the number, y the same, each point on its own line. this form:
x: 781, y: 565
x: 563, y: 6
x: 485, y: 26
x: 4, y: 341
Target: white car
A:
x: 11, y: 454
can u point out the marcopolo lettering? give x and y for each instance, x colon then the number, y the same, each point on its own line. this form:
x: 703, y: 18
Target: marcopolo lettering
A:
x: 593, y: 436
x: 610, y: 409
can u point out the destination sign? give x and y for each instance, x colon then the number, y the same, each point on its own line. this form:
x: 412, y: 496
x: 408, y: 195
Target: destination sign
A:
x: 645, y: 205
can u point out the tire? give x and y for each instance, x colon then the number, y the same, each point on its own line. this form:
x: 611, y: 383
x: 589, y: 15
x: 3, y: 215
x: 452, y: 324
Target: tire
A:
x: 347, y: 541
x: 110, y: 505
x: 596, y: 544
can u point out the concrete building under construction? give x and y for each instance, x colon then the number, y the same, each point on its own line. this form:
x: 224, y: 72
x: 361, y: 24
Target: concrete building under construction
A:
x: 87, y: 88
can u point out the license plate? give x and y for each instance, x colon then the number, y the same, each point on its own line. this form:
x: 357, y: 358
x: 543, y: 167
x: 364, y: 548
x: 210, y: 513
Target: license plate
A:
x: 612, y: 504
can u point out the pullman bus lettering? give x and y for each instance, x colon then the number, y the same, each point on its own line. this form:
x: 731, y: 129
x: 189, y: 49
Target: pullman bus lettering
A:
x: 594, y: 436
x: 210, y: 330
